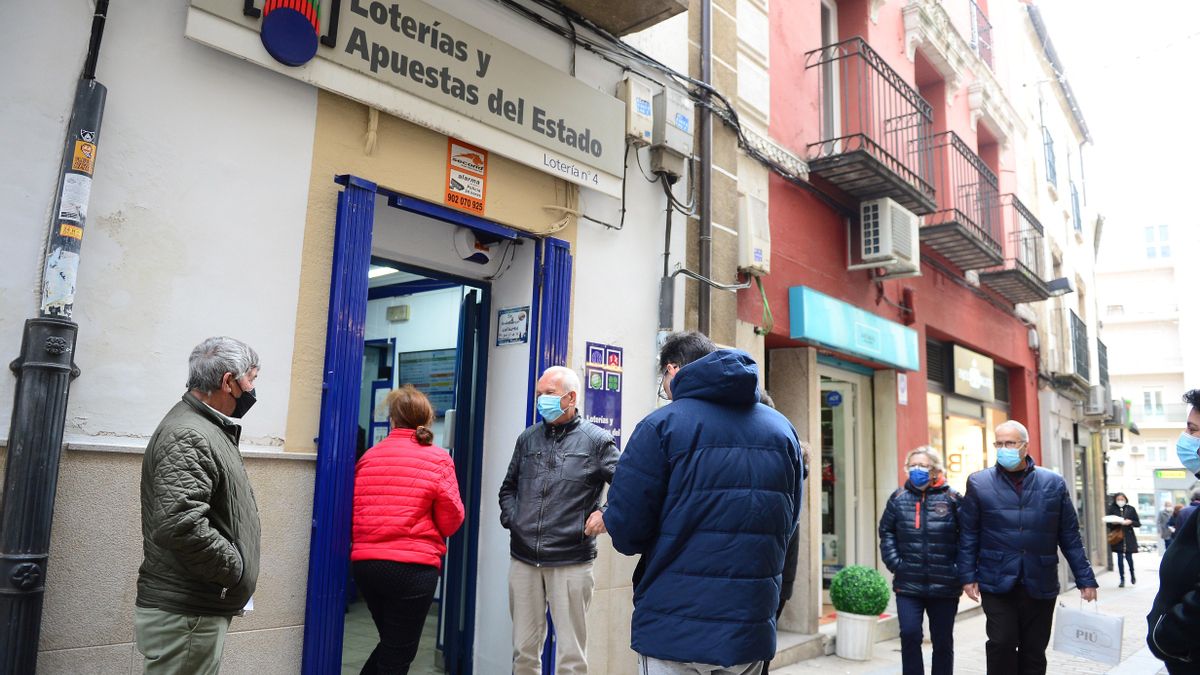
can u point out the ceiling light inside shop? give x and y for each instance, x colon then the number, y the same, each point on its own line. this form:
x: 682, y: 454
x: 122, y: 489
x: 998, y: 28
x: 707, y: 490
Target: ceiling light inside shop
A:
x: 380, y: 271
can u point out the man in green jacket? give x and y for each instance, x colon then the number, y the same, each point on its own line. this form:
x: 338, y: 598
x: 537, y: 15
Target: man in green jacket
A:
x: 200, y: 527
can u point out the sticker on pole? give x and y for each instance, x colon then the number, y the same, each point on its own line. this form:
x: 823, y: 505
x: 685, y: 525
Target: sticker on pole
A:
x: 84, y: 159
x: 74, y: 201
x: 466, y: 176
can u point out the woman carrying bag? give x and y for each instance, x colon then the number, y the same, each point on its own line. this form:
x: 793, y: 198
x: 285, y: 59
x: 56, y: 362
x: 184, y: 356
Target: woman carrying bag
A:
x: 1122, y: 520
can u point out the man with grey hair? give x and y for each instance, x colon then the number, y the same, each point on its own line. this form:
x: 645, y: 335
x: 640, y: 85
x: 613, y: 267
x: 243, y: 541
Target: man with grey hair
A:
x: 550, y: 504
x: 200, y: 527
x: 1012, y: 519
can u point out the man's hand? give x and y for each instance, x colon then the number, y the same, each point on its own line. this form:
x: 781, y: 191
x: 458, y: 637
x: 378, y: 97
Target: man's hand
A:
x: 972, y: 591
x: 1088, y: 594
x: 595, y: 524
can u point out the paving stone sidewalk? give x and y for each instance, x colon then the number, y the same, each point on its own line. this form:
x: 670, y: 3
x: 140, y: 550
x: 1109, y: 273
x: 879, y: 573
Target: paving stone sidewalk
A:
x: 1132, y: 602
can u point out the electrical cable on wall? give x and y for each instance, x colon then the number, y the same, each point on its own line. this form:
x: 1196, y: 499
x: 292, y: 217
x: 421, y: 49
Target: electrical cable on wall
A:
x: 768, y: 318
x: 579, y: 214
x: 616, y: 49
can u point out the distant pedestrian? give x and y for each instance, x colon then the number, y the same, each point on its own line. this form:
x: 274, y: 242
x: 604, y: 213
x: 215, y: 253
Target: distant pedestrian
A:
x: 1164, y: 532
x: 200, y: 526
x: 1127, y: 546
x: 1173, y: 522
x: 1186, y: 511
x: 1013, y: 517
x: 918, y: 539
x: 550, y: 505
x: 1174, y: 620
x: 708, y: 493
x: 406, y: 504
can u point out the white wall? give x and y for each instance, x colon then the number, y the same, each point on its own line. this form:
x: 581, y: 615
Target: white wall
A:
x: 194, y: 226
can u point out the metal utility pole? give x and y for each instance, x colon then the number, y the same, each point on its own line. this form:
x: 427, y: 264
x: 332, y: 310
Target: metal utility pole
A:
x: 704, y: 306
x: 44, y: 370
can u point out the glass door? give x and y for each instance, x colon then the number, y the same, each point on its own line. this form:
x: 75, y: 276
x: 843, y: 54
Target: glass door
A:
x: 839, y: 477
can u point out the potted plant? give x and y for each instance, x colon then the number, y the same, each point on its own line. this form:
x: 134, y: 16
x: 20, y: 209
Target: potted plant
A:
x: 859, y: 594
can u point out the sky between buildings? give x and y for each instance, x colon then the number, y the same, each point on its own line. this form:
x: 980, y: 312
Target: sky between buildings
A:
x: 1135, y: 69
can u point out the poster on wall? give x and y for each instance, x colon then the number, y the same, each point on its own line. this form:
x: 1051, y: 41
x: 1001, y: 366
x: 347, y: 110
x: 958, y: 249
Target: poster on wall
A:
x: 431, y: 372
x: 603, y: 379
x: 466, y: 176
x: 512, y: 326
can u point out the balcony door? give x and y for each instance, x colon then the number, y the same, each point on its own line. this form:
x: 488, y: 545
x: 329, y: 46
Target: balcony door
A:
x: 831, y: 107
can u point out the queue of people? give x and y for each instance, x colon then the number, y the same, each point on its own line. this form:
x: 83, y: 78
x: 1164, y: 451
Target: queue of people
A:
x: 707, y: 492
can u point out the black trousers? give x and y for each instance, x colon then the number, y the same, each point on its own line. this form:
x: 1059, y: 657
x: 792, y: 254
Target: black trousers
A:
x: 1121, y: 558
x: 1018, y: 630
x: 399, y: 596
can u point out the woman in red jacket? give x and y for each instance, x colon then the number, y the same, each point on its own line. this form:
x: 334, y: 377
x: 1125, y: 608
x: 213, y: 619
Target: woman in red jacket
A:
x: 405, y: 505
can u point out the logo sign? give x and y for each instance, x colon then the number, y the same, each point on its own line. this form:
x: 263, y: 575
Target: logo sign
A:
x: 512, y: 326
x: 466, y: 177
x: 602, y: 400
x: 833, y: 398
x: 568, y: 127
x: 973, y: 375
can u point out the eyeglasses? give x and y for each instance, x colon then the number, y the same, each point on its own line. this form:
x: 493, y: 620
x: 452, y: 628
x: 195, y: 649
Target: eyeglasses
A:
x: 1011, y: 445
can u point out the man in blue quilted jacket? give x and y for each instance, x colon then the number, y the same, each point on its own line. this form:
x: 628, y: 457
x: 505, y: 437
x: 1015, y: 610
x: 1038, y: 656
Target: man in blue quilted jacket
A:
x: 707, y: 491
x: 1012, y: 519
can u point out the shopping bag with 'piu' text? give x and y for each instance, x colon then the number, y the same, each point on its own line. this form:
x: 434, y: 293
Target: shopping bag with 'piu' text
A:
x: 1089, y: 634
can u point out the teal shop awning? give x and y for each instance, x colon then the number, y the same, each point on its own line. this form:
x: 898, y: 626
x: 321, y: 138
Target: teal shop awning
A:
x: 840, y: 326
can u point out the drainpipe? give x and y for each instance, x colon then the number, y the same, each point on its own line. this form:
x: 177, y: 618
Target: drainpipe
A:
x: 704, y: 308
x: 44, y: 370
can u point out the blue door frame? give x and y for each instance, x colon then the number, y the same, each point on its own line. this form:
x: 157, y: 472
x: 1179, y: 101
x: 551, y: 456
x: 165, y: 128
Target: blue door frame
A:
x: 329, y: 547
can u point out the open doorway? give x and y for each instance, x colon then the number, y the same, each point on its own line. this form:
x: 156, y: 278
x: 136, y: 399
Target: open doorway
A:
x: 847, y: 477
x: 422, y: 328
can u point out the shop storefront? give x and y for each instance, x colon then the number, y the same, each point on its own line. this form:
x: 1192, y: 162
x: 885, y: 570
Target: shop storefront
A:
x: 967, y: 399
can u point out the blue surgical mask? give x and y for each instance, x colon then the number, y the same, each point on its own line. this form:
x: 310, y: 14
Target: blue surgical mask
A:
x: 550, y: 407
x: 1188, y: 449
x: 919, y: 476
x: 1009, y: 458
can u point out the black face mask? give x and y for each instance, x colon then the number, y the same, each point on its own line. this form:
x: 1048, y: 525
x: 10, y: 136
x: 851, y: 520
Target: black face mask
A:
x: 243, y: 403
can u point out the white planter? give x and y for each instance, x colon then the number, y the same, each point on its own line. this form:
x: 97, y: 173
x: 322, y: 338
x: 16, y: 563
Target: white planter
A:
x: 855, y: 636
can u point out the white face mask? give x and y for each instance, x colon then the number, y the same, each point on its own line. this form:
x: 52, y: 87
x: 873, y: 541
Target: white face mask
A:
x: 1120, y: 503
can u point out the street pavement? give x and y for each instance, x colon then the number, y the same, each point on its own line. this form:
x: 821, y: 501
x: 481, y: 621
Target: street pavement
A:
x: 1132, y: 602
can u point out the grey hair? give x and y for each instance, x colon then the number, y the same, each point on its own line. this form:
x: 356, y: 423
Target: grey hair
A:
x: 935, y: 457
x: 214, y: 357
x: 568, y: 378
x: 1013, y: 424
x: 1196, y: 494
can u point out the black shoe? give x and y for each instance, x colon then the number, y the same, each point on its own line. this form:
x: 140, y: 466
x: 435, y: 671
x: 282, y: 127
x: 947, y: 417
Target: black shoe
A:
x: 1122, y: 585
x: 1133, y: 580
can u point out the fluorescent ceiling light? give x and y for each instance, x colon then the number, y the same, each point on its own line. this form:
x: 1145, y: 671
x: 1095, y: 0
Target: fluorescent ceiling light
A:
x: 380, y: 271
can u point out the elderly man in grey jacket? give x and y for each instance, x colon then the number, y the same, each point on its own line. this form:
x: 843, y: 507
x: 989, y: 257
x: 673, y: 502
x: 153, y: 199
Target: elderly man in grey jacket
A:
x: 549, y: 502
x: 200, y: 526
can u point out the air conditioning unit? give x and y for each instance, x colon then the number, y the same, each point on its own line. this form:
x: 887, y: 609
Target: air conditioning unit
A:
x: 1097, y: 404
x: 1116, y: 414
x: 886, y: 237
x: 1116, y: 438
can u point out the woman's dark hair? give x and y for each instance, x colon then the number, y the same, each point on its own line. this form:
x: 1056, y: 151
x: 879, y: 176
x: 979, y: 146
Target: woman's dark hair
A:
x: 408, y: 408
x: 1120, y: 495
x: 684, y: 347
x: 1192, y: 398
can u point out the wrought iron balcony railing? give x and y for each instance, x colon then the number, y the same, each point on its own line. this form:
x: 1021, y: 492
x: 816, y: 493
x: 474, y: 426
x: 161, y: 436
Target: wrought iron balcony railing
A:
x: 874, y: 127
x: 981, y: 33
x: 965, y: 227
x: 1021, y: 277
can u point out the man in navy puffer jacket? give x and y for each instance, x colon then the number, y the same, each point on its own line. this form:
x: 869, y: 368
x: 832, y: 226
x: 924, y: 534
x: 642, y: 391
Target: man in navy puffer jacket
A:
x: 1012, y: 519
x: 708, y: 492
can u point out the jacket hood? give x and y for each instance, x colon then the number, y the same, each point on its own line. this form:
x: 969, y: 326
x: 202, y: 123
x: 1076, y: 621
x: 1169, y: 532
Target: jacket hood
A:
x: 726, y: 376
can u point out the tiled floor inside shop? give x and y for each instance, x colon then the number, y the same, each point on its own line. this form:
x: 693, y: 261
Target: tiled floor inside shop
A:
x: 361, y: 637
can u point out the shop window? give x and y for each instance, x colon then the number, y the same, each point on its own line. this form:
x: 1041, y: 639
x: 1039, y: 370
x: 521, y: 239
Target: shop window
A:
x: 936, y: 438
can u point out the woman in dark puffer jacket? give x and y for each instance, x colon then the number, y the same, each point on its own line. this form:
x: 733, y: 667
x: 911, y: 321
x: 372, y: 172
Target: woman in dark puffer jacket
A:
x: 918, y: 537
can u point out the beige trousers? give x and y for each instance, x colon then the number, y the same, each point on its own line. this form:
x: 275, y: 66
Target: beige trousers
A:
x: 567, y: 591
x: 174, y: 644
